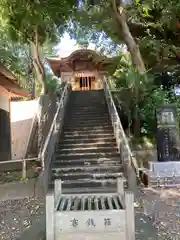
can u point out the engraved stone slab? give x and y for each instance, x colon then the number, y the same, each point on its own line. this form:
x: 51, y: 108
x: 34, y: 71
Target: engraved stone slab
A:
x: 96, y: 221
x: 167, y: 136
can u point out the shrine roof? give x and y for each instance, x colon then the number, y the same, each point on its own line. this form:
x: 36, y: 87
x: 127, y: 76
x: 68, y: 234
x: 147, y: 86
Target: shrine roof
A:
x: 9, y: 82
x: 78, y: 54
x: 67, y: 64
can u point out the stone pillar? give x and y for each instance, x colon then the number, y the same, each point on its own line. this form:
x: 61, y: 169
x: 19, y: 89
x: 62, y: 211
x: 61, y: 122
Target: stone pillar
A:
x: 5, y: 127
x: 129, y: 216
x: 50, y: 218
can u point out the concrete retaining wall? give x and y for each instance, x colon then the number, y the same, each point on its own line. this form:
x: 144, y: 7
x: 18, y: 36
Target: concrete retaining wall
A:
x: 22, y: 114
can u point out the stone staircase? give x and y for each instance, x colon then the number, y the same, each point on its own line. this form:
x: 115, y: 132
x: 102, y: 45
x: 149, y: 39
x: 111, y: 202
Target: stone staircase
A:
x: 86, y: 158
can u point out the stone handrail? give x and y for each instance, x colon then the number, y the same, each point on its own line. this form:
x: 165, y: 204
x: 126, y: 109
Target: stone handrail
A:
x: 24, y: 164
x: 46, y: 154
x: 127, y: 156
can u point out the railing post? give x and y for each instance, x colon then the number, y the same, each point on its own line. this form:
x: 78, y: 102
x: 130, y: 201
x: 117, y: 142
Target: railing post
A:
x: 50, y: 217
x: 24, y: 169
x: 42, y: 162
x: 120, y: 186
x: 57, y: 190
x: 151, y: 166
x: 122, y: 152
x: 129, y: 216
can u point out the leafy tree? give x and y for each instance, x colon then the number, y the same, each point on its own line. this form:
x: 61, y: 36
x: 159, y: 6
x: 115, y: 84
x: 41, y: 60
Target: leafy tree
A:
x: 108, y: 18
x: 33, y: 24
x: 133, y: 88
x: 150, y: 29
x: 42, y: 22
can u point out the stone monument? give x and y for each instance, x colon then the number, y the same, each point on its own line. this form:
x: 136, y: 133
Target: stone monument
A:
x: 167, y: 134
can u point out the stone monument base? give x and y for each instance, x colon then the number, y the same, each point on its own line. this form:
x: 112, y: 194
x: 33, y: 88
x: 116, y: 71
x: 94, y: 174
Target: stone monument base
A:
x: 161, y: 174
x: 90, y: 216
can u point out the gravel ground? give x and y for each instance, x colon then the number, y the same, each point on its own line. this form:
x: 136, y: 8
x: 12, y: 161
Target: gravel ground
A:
x: 163, y: 207
x: 18, y: 215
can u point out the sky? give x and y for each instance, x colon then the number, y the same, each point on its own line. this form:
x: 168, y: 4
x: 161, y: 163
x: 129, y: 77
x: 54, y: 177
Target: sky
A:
x: 67, y: 45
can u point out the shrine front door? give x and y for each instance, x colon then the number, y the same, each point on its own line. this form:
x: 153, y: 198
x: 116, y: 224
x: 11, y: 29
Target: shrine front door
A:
x: 85, y: 83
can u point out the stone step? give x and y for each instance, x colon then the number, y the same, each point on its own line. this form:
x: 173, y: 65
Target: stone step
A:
x: 112, y: 161
x: 110, y: 188
x: 88, y: 111
x: 88, y: 127
x: 91, y: 129
x: 78, y: 97
x: 84, y: 121
x: 90, y: 104
x: 94, y: 120
x: 88, y: 114
x: 81, y: 135
x: 89, y: 169
x: 88, y: 140
x: 86, y: 124
x: 87, y: 145
x: 72, y: 156
x: 66, y: 177
x: 86, y: 150
x: 90, y: 183
x: 93, y: 134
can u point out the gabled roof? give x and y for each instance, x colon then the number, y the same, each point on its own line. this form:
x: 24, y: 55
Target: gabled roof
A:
x: 66, y: 64
x: 9, y: 81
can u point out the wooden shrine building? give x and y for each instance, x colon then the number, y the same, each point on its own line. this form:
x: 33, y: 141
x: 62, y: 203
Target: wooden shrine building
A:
x: 83, y: 68
x: 9, y: 88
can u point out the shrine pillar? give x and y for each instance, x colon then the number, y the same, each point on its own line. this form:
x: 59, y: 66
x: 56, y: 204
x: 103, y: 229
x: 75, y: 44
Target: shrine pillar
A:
x: 98, y: 82
x: 5, y: 125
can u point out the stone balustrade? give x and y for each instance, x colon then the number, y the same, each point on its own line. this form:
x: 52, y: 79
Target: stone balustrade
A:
x: 90, y: 216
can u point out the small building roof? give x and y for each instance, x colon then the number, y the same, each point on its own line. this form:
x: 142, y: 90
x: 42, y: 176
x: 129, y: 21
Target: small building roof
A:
x: 9, y: 81
x: 59, y: 64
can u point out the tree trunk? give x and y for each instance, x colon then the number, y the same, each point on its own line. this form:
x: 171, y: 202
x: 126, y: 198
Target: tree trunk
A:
x: 43, y: 102
x: 38, y: 66
x: 128, y: 38
x: 133, y: 48
x: 137, y: 123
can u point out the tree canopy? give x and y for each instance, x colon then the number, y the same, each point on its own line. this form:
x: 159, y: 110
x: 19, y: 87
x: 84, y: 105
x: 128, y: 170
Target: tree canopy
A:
x: 35, y: 23
x: 151, y: 26
x: 149, y: 30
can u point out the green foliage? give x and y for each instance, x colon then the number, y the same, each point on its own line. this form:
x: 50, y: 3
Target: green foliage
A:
x: 51, y: 82
x: 151, y: 23
x: 34, y: 24
x: 138, y: 93
x: 147, y: 108
x: 48, y: 16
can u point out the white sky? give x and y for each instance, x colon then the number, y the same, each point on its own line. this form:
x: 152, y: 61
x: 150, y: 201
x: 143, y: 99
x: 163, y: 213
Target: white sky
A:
x: 66, y: 46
